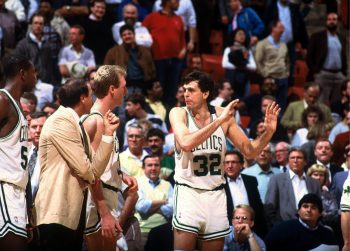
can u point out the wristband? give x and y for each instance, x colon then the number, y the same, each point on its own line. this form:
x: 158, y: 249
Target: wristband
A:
x: 107, y: 139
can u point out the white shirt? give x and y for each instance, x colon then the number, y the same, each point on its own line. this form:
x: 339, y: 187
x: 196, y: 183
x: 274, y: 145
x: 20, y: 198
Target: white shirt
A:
x: 17, y: 7
x: 185, y: 11
x: 286, y: 19
x: 142, y: 35
x: 299, y: 186
x: 227, y: 65
x: 238, y: 191
x: 44, y: 93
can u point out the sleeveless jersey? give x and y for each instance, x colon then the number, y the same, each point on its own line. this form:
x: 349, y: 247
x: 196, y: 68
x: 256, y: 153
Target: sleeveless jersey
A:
x: 14, y: 150
x: 202, y: 167
x: 110, y: 175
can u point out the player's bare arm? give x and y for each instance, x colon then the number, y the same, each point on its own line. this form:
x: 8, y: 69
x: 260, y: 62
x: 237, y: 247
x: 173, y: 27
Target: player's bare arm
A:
x: 130, y: 199
x: 4, y: 115
x: 187, y: 140
x: 94, y: 126
x: 248, y: 148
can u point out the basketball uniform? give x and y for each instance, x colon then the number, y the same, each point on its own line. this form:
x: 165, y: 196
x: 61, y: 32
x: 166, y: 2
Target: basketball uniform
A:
x: 110, y: 181
x: 14, y: 176
x: 199, y: 198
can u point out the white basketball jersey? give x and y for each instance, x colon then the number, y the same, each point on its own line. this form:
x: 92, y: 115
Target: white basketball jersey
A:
x: 202, y: 167
x: 14, y: 150
x: 110, y: 175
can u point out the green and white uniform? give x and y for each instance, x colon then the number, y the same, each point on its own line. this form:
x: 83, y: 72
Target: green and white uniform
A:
x: 14, y: 176
x: 200, y: 200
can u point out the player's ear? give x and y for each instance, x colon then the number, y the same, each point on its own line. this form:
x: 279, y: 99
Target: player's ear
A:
x: 206, y: 94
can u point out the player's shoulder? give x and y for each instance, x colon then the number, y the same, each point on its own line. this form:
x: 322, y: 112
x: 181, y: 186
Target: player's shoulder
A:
x: 5, y: 104
x: 178, y: 111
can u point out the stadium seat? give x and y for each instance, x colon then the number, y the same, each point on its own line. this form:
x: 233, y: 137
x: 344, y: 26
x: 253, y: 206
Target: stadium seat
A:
x: 300, y: 73
x: 212, y: 65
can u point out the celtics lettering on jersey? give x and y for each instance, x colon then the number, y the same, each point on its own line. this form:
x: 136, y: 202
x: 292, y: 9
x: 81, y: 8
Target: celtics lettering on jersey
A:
x: 208, y: 163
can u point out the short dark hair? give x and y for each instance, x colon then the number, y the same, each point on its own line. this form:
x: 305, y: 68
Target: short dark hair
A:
x: 51, y: 105
x: 137, y: 98
x: 156, y: 132
x: 312, y: 109
x: 237, y: 153
x: 36, y: 115
x: 323, y: 139
x: 273, y: 24
x: 205, y: 82
x: 69, y: 94
x: 30, y: 96
x: 148, y: 157
x: 298, y: 149
x: 36, y: 15
x: 126, y: 27
x: 80, y: 28
x: 313, y: 199
x: 13, y: 64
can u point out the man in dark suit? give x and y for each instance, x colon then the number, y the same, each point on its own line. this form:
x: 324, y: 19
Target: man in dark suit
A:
x: 326, y: 59
x: 286, y: 189
x: 242, y: 189
x: 323, y: 152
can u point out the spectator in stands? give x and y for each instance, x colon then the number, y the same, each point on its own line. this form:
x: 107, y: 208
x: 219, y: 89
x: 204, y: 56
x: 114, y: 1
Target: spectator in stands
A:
x: 141, y: 6
x: 246, y: 19
x: 327, y: 61
x: 285, y: 190
x: 323, y: 152
x: 31, y: 100
x: 98, y: 34
x: 131, y: 158
x: 237, y: 61
x: 262, y: 170
x: 180, y: 99
x: 304, y: 233
x: 54, y: 22
x: 35, y: 47
x: 243, y: 237
x: 342, y: 126
x: 169, y: 48
x: 155, y: 204
x: 330, y: 214
x: 137, y: 59
x: 337, y: 106
x: 242, y: 189
x: 130, y: 16
x: 155, y: 141
x: 18, y: 8
x: 310, y: 116
x: 135, y: 107
x: 49, y: 108
x: 196, y: 63
x: 224, y: 93
x: 281, y: 156
x: 294, y: 34
x: 154, y: 93
x: 73, y: 11
x: 188, y: 15
x: 75, y: 60
x: 292, y: 116
x: 11, y: 28
x: 272, y: 60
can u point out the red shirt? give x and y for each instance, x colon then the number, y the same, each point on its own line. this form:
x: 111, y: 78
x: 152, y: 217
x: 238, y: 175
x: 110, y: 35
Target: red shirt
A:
x: 168, y: 34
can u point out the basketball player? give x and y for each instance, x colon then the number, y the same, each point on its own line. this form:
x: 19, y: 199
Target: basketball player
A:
x: 20, y: 77
x: 200, y: 131
x: 109, y: 87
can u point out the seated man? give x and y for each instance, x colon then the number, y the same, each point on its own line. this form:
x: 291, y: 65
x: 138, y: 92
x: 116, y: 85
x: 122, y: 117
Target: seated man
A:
x: 155, y: 204
x: 242, y: 237
x: 304, y: 233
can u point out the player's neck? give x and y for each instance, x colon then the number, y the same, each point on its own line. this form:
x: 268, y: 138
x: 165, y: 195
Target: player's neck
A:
x: 14, y: 89
x: 200, y: 113
x: 100, y: 106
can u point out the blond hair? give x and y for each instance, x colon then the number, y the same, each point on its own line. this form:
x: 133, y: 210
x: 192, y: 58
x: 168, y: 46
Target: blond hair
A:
x: 319, y: 169
x: 105, y: 76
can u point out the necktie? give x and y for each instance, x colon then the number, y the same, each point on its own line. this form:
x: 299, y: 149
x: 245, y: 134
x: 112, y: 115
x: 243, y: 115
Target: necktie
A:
x: 284, y: 169
x: 32, y: 161
x: 85, y: 140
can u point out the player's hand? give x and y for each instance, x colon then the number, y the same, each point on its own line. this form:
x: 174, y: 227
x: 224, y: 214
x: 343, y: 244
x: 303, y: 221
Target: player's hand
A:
x: 111, y: 123
x: 131, y: 182
x: 110, y: 226
x: 271, y: 116
x: 229, y: 111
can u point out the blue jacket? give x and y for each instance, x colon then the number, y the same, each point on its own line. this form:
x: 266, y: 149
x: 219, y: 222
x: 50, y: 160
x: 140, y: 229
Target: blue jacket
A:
x: 249, y: 21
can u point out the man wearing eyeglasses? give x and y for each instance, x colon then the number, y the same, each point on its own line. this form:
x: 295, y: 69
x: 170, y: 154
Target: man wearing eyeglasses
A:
x: 242, y: 189
x: 131, y: 158
x: 243, y: 237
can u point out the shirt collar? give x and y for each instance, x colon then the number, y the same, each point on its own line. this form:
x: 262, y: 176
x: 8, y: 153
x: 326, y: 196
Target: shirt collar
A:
x: 293, y: 174
x: 72, y: 48
x: 35, y: 39
x: 306, y: 225
x: 327, y: 165
x: 239, y: 177
x: 154, y: 183
x: 264, y: 172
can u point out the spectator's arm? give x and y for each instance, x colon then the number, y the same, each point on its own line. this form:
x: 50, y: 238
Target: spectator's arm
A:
x: 130, y: 200
x: 167, y: 209
x: 68, y: 11
x: 225, y: 63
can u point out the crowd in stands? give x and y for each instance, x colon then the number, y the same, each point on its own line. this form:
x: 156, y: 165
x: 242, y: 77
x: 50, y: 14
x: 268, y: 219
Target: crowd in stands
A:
x: 258, y: 51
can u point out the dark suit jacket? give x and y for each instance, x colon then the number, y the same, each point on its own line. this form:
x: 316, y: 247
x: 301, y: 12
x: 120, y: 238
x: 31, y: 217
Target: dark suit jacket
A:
x: 317, y: 52
x: 251, y: 185
x: 337, y: 184
x: 280, y: 199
